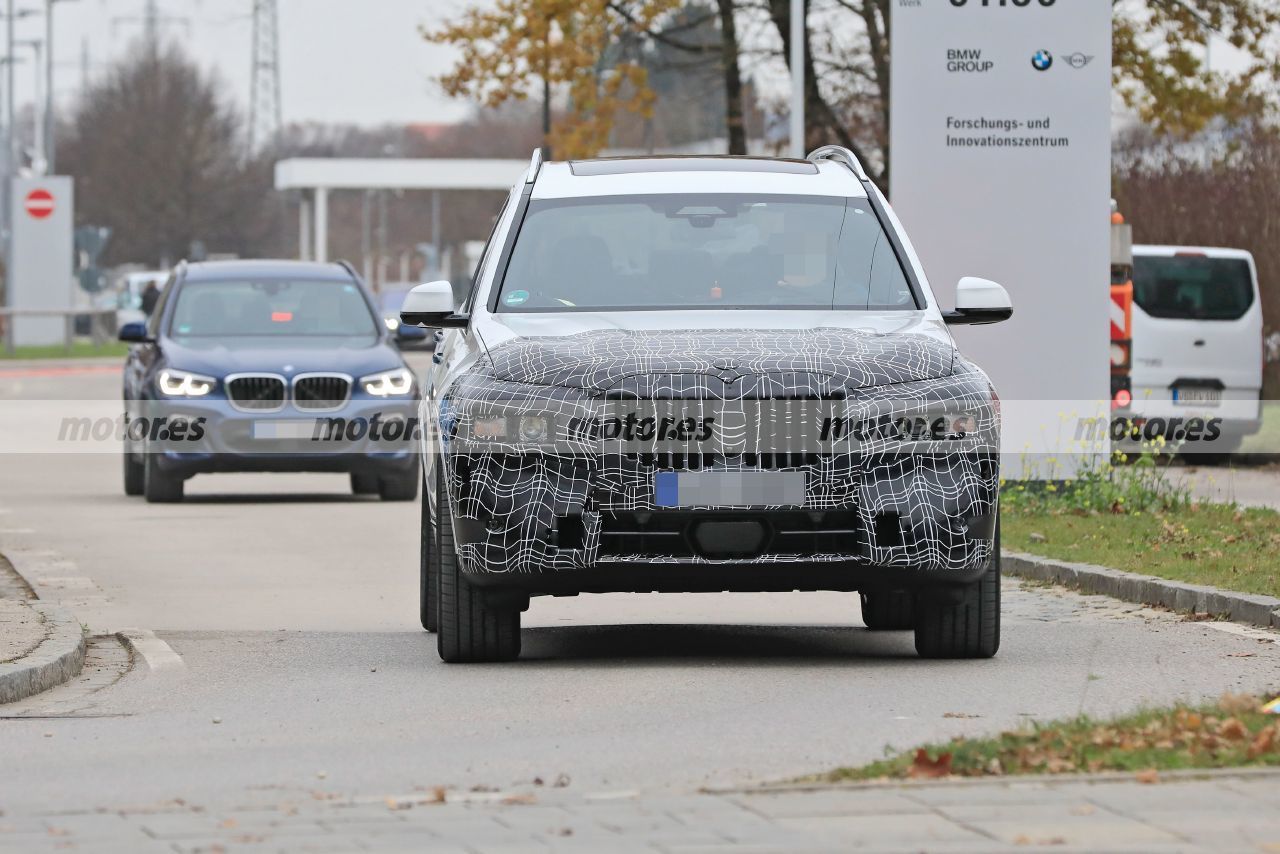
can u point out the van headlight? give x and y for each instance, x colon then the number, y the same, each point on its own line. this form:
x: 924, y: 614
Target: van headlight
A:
x: 175, y: 383
x: 395, y: 383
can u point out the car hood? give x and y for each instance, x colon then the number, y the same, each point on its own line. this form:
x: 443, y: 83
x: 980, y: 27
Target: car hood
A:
x: 597, y: 352
x: 286, y: 356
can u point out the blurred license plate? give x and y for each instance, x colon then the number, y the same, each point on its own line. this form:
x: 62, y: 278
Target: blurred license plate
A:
x: 728, y: 489
x: 284, y: 429
x: 1197, y: 396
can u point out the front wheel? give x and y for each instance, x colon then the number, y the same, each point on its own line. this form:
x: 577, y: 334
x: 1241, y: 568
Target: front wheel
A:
x: 889, y: 610
x: 158, y: 486
x: 472, y: 627
x: 398, y: 487
x: 428, y: 568
x: 966, y: 625
x: 134, y: 473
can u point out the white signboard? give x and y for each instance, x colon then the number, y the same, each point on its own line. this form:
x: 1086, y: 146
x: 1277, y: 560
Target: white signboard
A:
x: 42, y: 262
x: 1000, y: 162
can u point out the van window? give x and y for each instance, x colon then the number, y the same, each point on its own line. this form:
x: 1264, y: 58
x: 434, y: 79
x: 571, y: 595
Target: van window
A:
x: 1192, y: 287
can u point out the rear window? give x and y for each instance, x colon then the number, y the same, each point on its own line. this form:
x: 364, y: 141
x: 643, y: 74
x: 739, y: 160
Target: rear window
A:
x: 271, y: 308
x: 1192, y: 287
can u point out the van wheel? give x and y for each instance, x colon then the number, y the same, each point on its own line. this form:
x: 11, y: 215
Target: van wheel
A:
x: 428, y: 570
x: 134, y: 473
x: 963, y: 626
x: 472, y: 629
x: 364, y: 484
x: 888, y: 611
x: 159, y: 487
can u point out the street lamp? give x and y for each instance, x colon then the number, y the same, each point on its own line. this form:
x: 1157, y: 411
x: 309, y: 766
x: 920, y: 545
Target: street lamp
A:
x: 798, y: 33
x: 38, y: 161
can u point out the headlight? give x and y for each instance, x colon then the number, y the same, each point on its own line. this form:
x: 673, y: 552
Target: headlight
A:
x: 395, y: 383
x: 175, y: 383
x: 392, y: 323
x: 491, y: 427
x: 533, y: 428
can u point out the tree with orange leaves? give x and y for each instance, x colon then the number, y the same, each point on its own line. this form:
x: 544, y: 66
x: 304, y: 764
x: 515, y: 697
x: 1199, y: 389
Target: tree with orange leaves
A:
x: 515, y: 49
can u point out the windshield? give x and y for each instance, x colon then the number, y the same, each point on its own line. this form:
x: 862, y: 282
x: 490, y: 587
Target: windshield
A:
x: 1192, y: 287
x: 271, y: 308
x: 619, y: 253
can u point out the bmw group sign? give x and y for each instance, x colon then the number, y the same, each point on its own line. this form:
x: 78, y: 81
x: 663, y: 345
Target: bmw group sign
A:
x: 1000, y: 168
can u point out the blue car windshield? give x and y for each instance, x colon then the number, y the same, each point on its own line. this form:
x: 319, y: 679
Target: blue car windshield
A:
x: 272, y: 307
x: 703, y: 251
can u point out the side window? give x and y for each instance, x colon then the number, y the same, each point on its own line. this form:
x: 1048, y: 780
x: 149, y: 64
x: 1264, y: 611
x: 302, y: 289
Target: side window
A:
x: 153, y: 322
x: 485, y: 257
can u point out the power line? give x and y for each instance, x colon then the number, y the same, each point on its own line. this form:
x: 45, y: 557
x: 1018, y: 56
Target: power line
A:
x: 264, y: 83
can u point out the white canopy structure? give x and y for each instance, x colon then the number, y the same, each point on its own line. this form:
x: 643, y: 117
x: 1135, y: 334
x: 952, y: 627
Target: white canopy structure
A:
x: 315, y: 177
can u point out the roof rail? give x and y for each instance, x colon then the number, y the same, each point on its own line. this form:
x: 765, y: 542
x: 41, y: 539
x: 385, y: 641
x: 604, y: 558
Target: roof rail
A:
x: 840, y: 154
x: 535, y: 164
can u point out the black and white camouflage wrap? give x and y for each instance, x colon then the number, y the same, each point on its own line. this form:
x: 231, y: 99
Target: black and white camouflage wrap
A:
x: 518, y: 493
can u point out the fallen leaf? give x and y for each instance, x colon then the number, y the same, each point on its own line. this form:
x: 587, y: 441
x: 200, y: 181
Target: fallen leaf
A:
x: 1265, y: 742
x: 1084, y: 809
x: 1241, y: 654
x: 511, y: 800
x: 924, y: 767
x: 1233, y: 730
x: 1148, y: 776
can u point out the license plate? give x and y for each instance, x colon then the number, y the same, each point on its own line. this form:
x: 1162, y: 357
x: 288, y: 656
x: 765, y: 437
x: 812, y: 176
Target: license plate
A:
x: 728, y: 489
x: 1197, y: 396
x: 268, y: 430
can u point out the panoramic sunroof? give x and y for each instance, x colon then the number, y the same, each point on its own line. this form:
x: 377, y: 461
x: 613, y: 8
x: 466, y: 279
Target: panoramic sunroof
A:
x: 630, y: 165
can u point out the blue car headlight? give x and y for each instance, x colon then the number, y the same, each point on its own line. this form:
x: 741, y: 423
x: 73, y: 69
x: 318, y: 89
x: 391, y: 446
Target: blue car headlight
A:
x: 395, y: 383
x: 175, y: 383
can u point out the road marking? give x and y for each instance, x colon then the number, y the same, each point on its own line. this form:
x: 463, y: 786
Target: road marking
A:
x: 158, y: 655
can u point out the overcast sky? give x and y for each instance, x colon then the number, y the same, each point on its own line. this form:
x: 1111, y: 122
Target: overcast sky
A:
x: 360, y: 61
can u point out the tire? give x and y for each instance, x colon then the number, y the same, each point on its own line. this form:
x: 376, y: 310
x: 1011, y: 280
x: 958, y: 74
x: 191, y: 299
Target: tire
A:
x: 471, y: 629
x: 157, y: 486
x: 967, y: 627
x: 399, y: 487
x: 891, y: 610
x: 364, y: 484
x: 428, y: 571
x: 134, y: 473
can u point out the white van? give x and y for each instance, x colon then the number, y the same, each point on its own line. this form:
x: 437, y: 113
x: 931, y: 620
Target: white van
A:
x: 129, y: 294
x: 1197, y: 341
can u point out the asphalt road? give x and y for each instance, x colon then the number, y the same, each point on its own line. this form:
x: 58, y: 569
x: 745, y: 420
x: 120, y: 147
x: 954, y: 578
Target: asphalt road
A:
x: 293, y: 608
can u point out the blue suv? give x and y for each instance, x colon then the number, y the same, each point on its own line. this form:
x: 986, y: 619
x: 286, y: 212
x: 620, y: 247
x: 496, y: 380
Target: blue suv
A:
x: 285, y: 366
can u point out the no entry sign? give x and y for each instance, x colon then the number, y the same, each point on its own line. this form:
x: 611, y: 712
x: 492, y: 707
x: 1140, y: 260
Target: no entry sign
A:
x: 39, y: 204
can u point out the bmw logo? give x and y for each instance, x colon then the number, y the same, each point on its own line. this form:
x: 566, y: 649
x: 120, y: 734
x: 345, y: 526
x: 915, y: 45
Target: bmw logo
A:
x: 1042, y: 60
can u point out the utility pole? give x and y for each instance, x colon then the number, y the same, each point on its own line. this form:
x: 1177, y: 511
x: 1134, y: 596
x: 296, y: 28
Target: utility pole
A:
x: 264, y: 85
x: 799, y: 31
x: 50, y: 123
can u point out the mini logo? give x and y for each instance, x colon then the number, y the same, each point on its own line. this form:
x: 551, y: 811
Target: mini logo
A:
x: 1042, y: 60
x: 1078, y: 59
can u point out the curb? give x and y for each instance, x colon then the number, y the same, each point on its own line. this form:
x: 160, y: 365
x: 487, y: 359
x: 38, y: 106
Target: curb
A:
x: 1254, y: 610
x: 59, y: 657
x: 1009, y: 780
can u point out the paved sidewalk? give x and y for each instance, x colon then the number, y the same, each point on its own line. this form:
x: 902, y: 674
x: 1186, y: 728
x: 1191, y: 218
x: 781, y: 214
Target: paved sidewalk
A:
x: 22, y: 629
x: 1220, y: 813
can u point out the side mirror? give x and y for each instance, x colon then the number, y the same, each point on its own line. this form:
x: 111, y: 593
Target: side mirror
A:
x: 134, y: 333
x: 431, y: 305
x: 979, y: 301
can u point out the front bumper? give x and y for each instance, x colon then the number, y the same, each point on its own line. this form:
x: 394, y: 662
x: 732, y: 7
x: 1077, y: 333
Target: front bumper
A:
x: 364, y: 436
x: 582, y: 513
